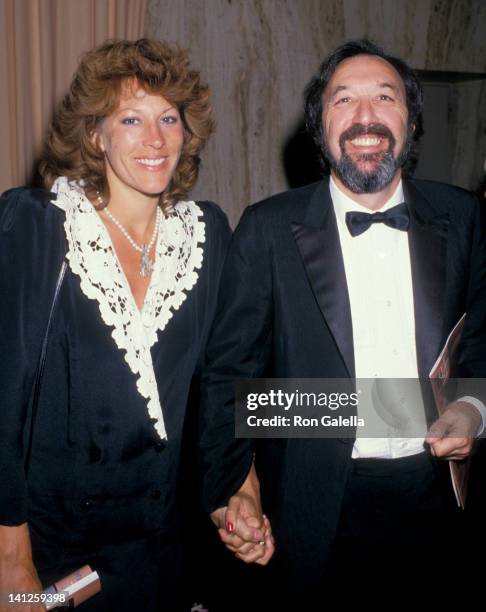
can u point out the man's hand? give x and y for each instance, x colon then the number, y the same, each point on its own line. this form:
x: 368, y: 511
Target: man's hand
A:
x: 242, y: 527
x: 453, y: 435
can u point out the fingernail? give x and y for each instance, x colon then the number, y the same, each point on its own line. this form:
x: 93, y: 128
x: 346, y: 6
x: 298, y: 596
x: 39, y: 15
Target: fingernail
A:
x: 230, y: 527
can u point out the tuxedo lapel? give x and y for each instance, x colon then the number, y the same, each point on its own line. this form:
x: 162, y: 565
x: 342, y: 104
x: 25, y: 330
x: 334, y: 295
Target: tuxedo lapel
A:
x: 318, y: 242
x: 427, y: 237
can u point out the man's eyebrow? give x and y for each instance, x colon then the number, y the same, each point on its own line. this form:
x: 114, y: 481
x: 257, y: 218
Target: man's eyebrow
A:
x: 337, y: 89
x: 384, y: 85
x: 391, y: 86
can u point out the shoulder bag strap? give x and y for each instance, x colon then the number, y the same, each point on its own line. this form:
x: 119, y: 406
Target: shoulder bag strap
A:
x: 41, y: 364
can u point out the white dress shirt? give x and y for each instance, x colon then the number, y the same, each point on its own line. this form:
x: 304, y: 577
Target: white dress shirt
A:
x: 379, y: 280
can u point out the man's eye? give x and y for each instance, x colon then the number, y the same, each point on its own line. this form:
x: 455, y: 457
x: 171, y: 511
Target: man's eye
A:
x: 129, y: 121
x: 344, y: 100
x: 385, y: 98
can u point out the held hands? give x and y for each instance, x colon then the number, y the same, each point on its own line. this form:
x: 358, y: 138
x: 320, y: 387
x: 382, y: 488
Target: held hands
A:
x: 453, y: 435
x: 242, y: 527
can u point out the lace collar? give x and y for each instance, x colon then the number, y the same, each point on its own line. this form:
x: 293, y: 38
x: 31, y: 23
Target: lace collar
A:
x: 92, y: 257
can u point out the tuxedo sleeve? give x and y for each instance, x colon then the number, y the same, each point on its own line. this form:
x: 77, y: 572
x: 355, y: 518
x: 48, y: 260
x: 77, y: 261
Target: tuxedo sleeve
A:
x: 472, y: 353
x: 238, y: 348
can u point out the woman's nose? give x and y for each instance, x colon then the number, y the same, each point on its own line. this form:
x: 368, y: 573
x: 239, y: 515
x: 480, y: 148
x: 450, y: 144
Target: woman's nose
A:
x: 154, y: 136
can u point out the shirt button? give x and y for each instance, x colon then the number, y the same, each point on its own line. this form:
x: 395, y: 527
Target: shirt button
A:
x: 156, y: 495
x: 388, y: 303
x: 395, y: 352
x: 381, y: 255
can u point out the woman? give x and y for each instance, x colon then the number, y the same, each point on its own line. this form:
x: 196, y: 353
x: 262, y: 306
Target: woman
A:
x: 90, y: 465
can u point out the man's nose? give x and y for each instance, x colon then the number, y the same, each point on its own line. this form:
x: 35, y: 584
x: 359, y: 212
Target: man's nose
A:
x: 364, y: 112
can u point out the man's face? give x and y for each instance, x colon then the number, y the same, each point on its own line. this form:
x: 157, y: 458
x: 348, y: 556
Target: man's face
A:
x: 365, y: 123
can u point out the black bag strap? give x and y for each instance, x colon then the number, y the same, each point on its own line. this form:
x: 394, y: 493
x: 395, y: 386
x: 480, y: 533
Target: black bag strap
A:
x: 40, y: 367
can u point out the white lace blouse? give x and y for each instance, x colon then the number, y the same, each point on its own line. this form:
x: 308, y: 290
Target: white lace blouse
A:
x: 91, y: 256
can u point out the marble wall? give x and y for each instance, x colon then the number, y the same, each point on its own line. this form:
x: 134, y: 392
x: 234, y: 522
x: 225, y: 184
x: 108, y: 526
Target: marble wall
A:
x: 258, y: 55
x: 469, y: 137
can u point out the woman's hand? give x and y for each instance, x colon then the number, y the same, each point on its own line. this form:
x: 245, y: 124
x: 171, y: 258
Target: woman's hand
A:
x: 242, y: 527
x: 17, y: 571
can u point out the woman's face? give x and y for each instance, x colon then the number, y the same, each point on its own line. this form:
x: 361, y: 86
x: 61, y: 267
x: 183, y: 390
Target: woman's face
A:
x: 142, y: 142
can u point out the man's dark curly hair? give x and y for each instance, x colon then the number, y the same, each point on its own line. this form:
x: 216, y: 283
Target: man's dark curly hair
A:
x: 315, y: 89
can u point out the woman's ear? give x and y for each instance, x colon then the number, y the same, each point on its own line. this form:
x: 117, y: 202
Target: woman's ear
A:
x: 97, y: 140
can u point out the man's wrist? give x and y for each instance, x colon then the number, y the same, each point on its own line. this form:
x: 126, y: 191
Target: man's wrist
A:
x: 480, y: 407
x: 251, y: 485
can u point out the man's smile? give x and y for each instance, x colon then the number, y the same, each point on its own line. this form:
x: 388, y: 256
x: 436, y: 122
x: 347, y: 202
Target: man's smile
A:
x: 366, y: 141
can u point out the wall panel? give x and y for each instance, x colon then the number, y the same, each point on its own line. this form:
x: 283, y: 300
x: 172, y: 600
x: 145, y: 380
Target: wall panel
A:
x: 258, y: 55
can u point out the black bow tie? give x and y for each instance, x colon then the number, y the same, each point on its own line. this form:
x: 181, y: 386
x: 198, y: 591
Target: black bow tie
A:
x: 396, y: 217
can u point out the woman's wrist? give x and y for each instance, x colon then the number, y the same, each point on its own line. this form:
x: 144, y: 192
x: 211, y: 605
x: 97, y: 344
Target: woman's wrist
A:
x: 15, y: 545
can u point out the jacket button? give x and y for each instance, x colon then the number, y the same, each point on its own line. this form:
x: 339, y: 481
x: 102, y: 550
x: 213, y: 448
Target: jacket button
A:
x: 156, y: 495
x: 86, y: 504
x: 159, y: 446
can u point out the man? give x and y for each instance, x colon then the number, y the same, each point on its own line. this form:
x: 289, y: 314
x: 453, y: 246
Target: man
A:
x: 314, y: 288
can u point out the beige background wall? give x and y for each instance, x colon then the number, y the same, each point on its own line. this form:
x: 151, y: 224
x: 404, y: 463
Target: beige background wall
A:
x: 259, y: 54
x: 40, y: 45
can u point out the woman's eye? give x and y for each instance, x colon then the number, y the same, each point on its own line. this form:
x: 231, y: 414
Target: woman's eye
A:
x: 130, y: 121
x: 169, y: 119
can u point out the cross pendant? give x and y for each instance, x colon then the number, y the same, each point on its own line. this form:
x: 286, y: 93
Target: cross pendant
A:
x: 146, y: 266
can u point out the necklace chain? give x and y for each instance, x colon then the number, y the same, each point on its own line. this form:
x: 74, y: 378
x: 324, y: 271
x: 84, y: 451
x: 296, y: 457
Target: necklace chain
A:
x: 123, y: 230
x: 146, y: 265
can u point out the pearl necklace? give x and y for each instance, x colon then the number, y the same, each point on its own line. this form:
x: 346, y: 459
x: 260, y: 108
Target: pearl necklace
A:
x: 146, y: 265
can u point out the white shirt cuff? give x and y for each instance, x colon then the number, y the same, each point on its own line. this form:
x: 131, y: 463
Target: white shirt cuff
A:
x: 481, y: 408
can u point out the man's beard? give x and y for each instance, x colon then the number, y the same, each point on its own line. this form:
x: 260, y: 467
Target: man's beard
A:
x: 385, y: 163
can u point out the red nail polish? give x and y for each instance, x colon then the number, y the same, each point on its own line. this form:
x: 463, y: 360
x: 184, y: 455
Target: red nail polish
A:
x: 230, y: 527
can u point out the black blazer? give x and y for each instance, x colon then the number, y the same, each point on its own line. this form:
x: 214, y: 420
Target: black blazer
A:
x: 284, y: 312
x: 98, y: 473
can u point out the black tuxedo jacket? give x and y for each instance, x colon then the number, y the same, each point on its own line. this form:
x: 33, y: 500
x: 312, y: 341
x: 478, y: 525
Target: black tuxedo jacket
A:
x: 284, y: 312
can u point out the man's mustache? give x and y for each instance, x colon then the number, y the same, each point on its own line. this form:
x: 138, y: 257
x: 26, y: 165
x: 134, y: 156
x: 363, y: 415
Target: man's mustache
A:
x: 358, y: 129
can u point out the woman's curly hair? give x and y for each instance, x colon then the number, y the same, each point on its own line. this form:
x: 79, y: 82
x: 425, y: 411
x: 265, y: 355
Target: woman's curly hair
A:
x: 95, y: 92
